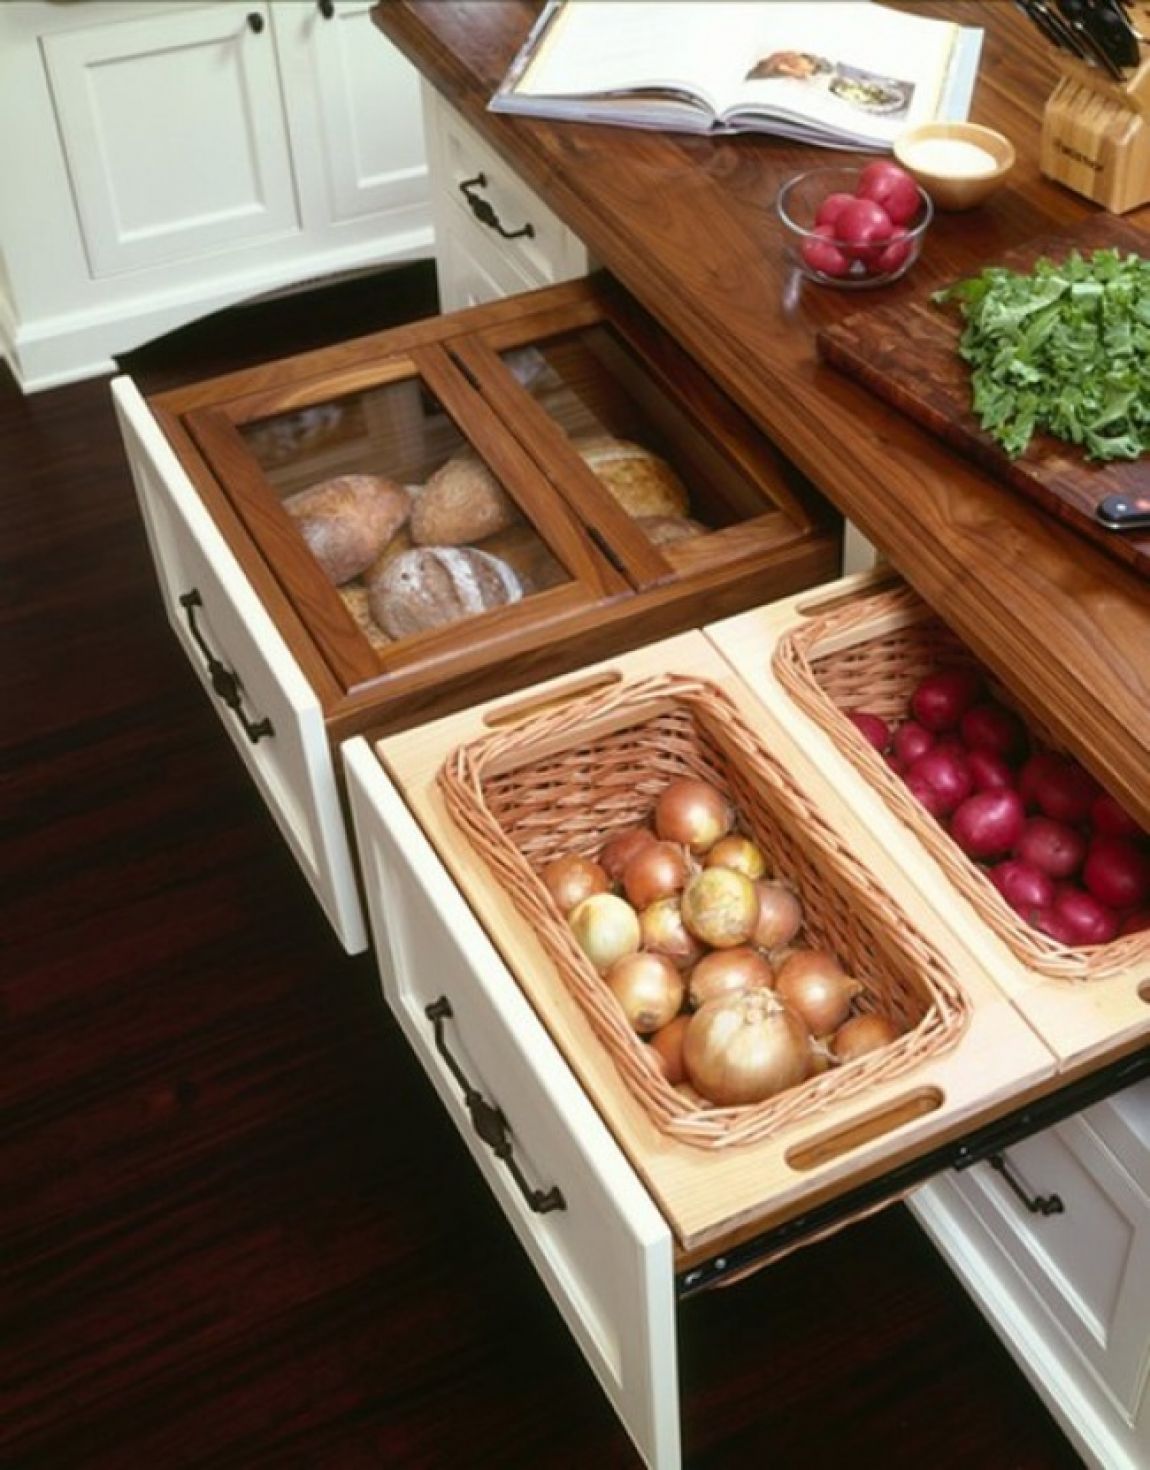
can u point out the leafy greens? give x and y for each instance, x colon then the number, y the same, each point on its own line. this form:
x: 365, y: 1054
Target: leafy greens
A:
x: 1065, y: 350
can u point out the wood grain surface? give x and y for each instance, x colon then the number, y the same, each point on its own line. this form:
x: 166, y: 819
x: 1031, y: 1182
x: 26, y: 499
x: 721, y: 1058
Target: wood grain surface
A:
x: 909, y: 355
x: 689, y: 226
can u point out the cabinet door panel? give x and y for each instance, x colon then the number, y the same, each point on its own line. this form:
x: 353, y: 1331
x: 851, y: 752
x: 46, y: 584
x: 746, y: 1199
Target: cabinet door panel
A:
x: 291, y: 765
x: 174, y: 132
x: 605, y: 1256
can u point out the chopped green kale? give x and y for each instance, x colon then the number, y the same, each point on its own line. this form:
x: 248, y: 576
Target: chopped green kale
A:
x: 1064, y: 350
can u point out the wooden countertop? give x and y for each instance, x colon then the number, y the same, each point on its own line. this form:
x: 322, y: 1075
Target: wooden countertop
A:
x: 688, y: 225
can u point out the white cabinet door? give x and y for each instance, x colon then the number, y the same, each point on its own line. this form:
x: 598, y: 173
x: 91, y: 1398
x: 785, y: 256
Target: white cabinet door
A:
x: 175, y: 133
x: 274, y: 718
x: 605, y: 1252
x: 354, y: 114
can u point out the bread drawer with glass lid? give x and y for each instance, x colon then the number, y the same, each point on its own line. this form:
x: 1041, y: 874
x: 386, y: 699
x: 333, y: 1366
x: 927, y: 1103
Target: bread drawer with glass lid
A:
x: 660, y: 1193
x: 362, y: 537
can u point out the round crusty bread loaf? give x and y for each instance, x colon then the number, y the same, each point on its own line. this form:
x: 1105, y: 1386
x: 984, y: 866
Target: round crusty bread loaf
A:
x: 528, y: 556
x: 462, y: 502
x: 355, y: 599
x: 347, y: 521
x: 433, y: 585
x: 642, y: 483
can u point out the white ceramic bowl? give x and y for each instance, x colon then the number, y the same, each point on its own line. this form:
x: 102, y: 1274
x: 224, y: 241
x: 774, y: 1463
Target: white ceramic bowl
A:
x: 958, y: 164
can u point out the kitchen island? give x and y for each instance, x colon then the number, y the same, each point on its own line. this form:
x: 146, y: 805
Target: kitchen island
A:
x: 688, y: 225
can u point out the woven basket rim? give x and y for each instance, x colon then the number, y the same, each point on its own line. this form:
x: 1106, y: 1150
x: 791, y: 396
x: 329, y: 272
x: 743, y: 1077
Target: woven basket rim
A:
x: 793, y: 662
x: 634, y: 703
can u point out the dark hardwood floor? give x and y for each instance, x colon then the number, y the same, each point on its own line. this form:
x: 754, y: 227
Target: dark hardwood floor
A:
x: 236, y: 1231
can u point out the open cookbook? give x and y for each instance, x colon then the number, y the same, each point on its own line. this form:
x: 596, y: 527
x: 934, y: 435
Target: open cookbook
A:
x: 839, y: 73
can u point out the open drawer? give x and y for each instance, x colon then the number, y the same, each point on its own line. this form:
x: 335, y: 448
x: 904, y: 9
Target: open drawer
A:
x: 862, y: 643
x: 452, y: 509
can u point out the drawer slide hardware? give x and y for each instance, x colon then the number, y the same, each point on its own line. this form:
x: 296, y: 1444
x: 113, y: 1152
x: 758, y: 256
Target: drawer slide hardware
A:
x: 1037, y: 1204
x: 487, y: 1119
x: 224, y: 682
x: 484, y: 210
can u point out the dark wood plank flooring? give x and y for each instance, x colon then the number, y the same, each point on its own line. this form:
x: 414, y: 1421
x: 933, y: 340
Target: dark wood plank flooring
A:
x: 235, y: 1230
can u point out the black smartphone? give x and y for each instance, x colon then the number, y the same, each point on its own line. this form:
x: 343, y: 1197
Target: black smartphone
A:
x: 1124, y: 512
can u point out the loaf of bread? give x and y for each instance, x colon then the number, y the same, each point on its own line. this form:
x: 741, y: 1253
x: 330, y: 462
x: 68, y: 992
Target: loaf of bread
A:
x: 642, y: 483
x: 461, y: 503
x: 430, y: 586
x: 663, y: 530
x: 347, y: 521
x: 355, y: 598
x: 528, y: 556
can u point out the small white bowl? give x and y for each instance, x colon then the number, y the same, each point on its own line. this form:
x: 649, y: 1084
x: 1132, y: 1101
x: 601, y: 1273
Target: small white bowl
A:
x: 958, y: 164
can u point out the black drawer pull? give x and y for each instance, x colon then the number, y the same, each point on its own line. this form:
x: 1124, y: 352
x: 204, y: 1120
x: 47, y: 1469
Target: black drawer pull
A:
x: 1037, y: 1204
x: 484, y: 212
x: 487, y: 1120
x: 327, y: 8
x: 224, y: 682
x: 255, y: 22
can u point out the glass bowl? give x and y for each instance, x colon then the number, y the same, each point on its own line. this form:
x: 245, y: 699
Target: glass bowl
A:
x: 819, y: 255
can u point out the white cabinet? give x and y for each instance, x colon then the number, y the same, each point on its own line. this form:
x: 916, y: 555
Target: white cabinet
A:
x: 493, y: 235
x: 1054, y: 1246
x: 179, y: 158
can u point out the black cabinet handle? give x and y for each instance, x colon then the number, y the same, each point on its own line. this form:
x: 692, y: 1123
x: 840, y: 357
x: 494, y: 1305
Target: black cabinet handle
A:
x: 1037, y: 1204
x: 487, y: 1120
x: 255, y: 22
x: 224, y: 683
x: 484, y: 212
x: 326, y: 8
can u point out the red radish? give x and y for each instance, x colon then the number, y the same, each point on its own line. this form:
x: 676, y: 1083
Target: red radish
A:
x: 946, y: 771
x: 912, y: 740
x: 991, y: 726
x: 1090, y: 921
x: 988, y: 824
x: 1058, y: 786
x: 861, y: 228
x: 873, y: 727
x: 1110, y: 819
x: 1053, y: 847
x: 1117, y: 873
x: 894, y: 254
x: 831, y: 207
x: 1135, y: 923
x: 988, y: 770
x: 823, y: 253
x: 892, y: 187
x: 940, y: 700
x: 1025, y: 887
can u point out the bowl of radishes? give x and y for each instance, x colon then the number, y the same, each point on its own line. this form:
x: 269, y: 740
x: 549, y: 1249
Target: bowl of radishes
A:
x: 854, y: 227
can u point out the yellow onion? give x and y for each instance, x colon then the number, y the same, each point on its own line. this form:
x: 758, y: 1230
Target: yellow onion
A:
x: 861, y: 1035
x: 745, y: 1048
x: 572, y: 878
x: 692, y: 812
x: 738, y: 852
x: 720, y: 907
x: 657, y: 870
x: 667, y: 1045
x: 724, y: 971
x: 619, y: 850
x: 815, y: 985
x: 649, y: 989
x: 663, y: 932
x: 605, y: 928
x: 780, y: 916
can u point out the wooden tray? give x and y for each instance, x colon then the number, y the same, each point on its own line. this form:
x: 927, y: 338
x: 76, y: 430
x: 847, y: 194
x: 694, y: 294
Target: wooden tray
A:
x: 908, y: 355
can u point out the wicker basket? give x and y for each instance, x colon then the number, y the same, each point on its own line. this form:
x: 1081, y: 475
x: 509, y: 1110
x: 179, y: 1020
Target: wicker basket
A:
x: 569, y: 779
x: 882, y: 646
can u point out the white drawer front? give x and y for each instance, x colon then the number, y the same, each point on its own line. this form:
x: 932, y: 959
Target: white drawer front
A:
x: 292, y: 766
x: 606, y: 1255
x: 1088, y: 1265
x: 471, y: 271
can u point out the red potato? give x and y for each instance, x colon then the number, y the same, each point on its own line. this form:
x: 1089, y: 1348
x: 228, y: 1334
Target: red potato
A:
x: 1026, y: 888
x: 861, y: 228
x: 988, y: 824
x: 987, y: 769
x: 991, y: 726
x: 1109, y: 818
x: 831, y: 207
x: 893, y: 256
x: 892, y: 187
x: 947, y: 773
x: 1088, y: 920
x: 874, y: 729
x: 1058, y: 786
x: 1117, y: 873
x: 940, y: 700
x: 1053, y: 847
x: 912, y: 740
x: 823, y: 254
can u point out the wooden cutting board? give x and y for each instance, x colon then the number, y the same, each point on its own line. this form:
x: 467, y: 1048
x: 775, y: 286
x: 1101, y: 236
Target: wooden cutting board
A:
x: 908, y: 355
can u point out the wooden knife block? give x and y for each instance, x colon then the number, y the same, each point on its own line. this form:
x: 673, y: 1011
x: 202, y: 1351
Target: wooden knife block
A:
x: 1096, y: 133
